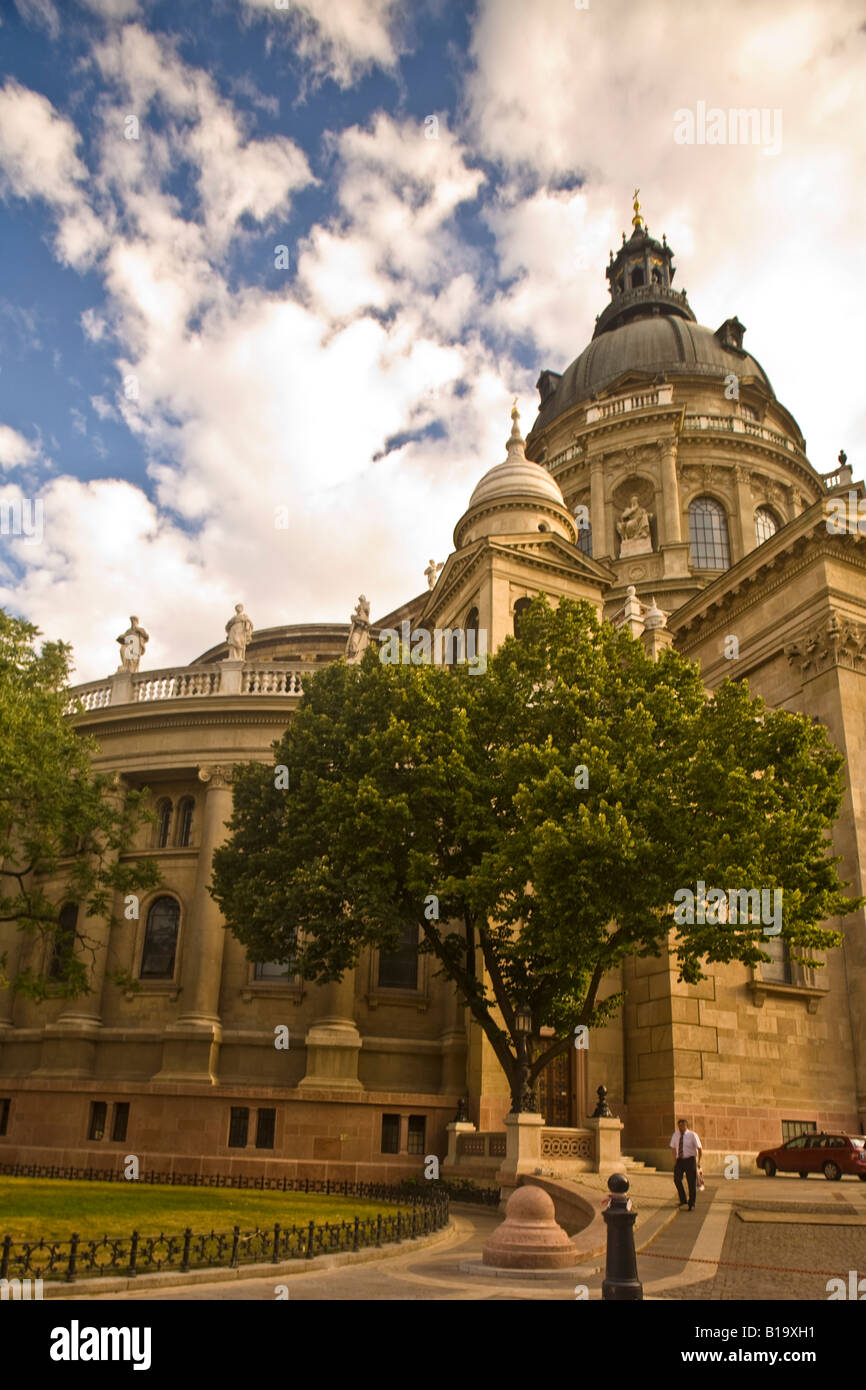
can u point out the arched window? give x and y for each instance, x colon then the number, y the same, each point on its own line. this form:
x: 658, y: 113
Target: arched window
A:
x: 766, y: 525
x: 163, y: 822
x: 584, y: 538
x: 399, y: 969
x: 160, y: 939
x: 637, y: 277
x: 708, y: 534
x: 64, y: 942
x: 520, y: 607
x: 184, y: 821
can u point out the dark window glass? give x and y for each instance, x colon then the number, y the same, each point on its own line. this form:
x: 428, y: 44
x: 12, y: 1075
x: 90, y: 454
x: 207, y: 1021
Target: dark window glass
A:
x: 637, y: 278
x: 98, y: 1109
x: 472, y: 626
x: 238, y: 1127
x: 799, y: 1143
x: 778, y: 970
x: 708, y: 534
x: 160, y: 940
x: 265, y: 1122
x: 5, y: 1106
x: 390, y: 1134
x: 163, y: 822
x: 520, y: 607
x: 792, y: 1128
x: 184, y: 816
x: 64, y: 942
x: 271, y: 970
x: 584, y: 539
x: 119, y: 1121
x: 417, y: 1131
x: 399, y: 969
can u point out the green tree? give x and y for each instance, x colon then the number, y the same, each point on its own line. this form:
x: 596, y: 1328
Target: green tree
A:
x: 60, y: 821
x: 554, y: 806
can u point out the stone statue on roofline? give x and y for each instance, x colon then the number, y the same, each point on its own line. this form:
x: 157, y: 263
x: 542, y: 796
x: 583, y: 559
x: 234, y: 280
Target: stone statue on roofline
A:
x: 239, y: 630
x: 132, y: 644
x: 359, y: 635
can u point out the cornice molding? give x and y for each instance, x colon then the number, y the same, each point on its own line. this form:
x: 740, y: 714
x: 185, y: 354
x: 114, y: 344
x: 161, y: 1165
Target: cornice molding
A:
x: 807, y: 546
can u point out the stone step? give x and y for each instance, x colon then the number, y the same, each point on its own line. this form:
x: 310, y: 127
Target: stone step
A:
x: 637, y: 1165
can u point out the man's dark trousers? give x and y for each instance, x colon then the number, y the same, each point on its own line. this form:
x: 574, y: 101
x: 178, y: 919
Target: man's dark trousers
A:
x: 689, y: 1166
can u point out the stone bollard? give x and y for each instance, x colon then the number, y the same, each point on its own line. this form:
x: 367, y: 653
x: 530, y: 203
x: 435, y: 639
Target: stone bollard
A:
x: 620, y: 1275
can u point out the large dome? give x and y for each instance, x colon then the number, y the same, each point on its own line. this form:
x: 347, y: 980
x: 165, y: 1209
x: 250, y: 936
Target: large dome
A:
x: 660, y: 345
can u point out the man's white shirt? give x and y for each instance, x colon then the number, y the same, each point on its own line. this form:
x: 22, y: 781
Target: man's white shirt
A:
x: 691, y: 1143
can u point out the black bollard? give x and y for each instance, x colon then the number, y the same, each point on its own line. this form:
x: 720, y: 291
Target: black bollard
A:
x: 620, y: 1274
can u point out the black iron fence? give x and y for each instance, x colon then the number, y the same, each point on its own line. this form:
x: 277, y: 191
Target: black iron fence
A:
x: 136, y: 1254
x: 426, y: 1211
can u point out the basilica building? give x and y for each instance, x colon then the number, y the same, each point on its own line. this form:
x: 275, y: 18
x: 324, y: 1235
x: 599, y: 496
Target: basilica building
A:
x: 663, y: 482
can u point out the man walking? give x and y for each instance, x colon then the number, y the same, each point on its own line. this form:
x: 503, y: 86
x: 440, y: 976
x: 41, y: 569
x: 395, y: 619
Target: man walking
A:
x: 687, y: 1155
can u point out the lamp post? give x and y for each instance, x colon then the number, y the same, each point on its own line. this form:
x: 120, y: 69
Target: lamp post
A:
x: 526, y: 1101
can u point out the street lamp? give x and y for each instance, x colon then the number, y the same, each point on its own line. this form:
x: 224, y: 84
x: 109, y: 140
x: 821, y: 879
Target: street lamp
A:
x: 526, y: 1101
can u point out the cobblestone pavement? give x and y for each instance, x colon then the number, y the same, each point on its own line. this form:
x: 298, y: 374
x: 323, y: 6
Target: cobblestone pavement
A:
x: 708, y: 1254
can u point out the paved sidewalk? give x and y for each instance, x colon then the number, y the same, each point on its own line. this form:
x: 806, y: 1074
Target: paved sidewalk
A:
x: 709, y: 1253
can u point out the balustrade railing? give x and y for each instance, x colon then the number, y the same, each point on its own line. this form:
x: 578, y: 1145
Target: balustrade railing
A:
x: 738, y: 424
x: 177, y: 683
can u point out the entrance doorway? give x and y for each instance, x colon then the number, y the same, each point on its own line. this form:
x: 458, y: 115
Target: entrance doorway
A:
x: 561, y: 1088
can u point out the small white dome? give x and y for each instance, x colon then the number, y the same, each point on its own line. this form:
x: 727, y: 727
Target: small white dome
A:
x: 517, y: 476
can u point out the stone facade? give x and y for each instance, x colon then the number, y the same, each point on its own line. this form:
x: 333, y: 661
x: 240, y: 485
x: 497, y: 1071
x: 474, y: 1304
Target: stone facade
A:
x: 374, y: 1070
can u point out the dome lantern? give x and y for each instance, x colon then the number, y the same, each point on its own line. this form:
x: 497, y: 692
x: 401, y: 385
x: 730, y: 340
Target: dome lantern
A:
x: 640, y: 279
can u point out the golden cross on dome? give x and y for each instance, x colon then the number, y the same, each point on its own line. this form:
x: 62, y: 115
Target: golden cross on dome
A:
x: 637, y: 219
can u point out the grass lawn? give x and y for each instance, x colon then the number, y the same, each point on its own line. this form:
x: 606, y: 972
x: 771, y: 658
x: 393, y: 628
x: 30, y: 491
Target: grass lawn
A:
x: 52, y: 1208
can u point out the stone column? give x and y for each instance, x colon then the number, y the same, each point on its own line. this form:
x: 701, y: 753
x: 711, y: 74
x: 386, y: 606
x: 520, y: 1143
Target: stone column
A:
x: 453, y: 1044
x: 522, y: 1150
x: 597, y: 509
x: 333, y: 1041
x: 608, y: 1154
x: 671, y: 530
x: 454, y: 1131
x: 745, y: 513
x: 69, y: 1045
x: 191, y: 1047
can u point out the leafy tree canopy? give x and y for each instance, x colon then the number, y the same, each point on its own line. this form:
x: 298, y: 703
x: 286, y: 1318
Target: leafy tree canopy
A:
x: 62, y: 825
x: 406, y: 781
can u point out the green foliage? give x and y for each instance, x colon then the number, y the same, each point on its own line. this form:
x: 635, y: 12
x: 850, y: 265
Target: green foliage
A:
x: 410, y: 780
x: 59, y: 820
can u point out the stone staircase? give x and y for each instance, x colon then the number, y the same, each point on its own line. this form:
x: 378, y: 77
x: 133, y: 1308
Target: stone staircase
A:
x: 637, y: 1165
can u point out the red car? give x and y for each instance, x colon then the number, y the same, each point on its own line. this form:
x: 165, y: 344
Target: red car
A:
x: 830, y: 1154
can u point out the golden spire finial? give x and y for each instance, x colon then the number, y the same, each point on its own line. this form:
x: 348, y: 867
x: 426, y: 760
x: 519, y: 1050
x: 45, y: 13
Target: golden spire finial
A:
x: 515, y: 413
x: 637, y: 220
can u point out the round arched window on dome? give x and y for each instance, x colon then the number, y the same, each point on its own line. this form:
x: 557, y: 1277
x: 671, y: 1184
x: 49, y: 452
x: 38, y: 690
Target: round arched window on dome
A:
x: 708, y: 534
x: 766, y: 525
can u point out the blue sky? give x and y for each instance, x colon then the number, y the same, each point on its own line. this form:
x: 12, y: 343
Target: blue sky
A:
x: 167, y: 382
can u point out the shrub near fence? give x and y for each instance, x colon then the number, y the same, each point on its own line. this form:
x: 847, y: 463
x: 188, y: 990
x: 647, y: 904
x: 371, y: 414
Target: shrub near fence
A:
x: 128, y: 1256
x: 411, y: 1189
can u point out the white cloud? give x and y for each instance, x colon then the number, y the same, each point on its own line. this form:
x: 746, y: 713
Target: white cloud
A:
x: 42, y: 13
x: 592, y: 93
x: 112, y: 9
x: 15, y: 449
x: 38, y: 159
x: 341, y: 39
